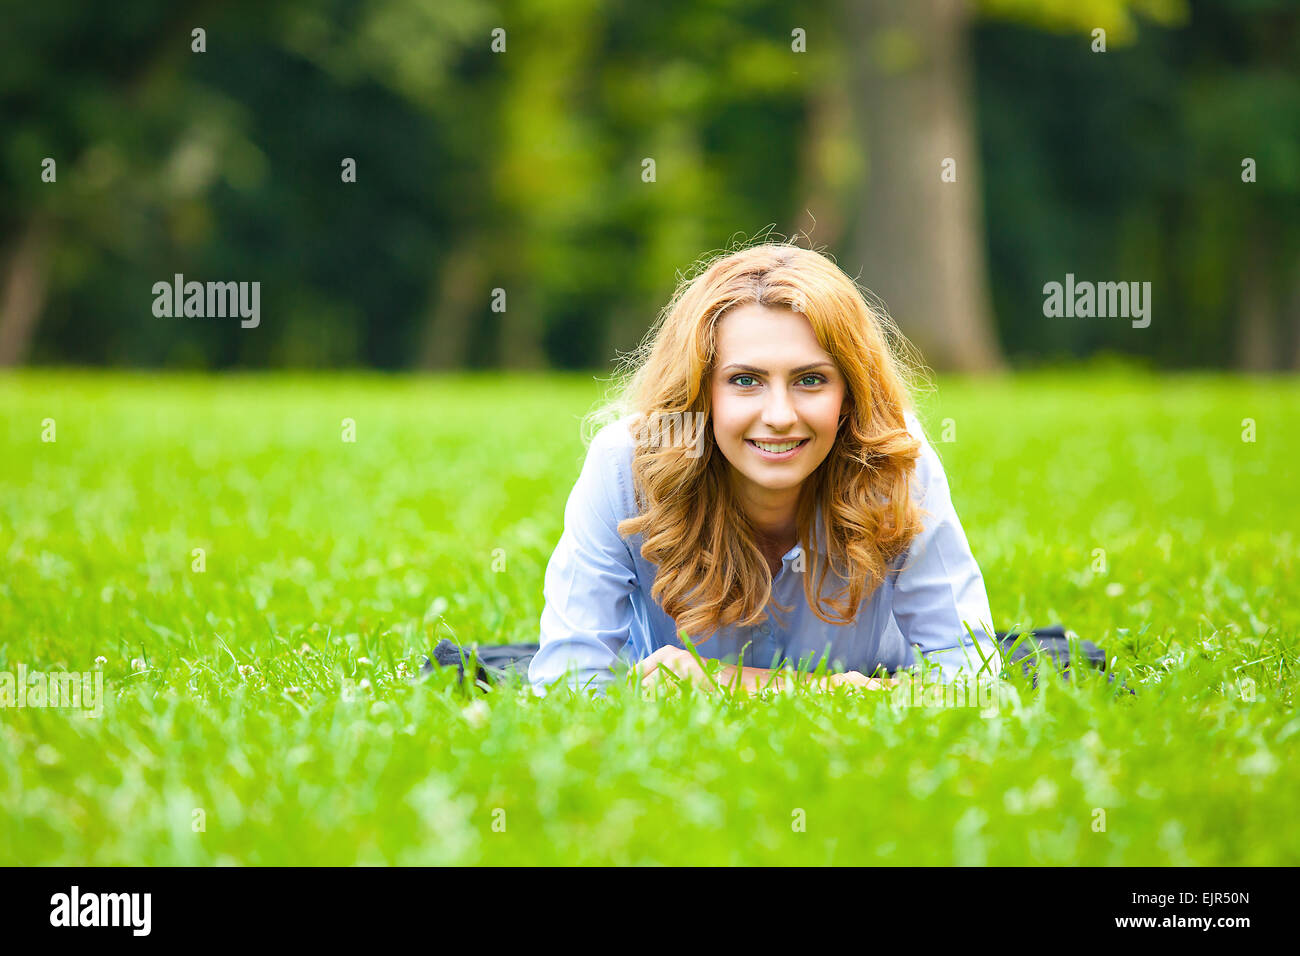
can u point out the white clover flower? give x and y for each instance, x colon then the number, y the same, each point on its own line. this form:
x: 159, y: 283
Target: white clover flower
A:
x: 137, y: 664
x: 476, y: 714
x: 363, y: 662
x: 101, y: 661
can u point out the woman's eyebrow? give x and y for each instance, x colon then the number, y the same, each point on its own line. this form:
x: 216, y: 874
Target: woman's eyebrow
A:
x: 763, y: 371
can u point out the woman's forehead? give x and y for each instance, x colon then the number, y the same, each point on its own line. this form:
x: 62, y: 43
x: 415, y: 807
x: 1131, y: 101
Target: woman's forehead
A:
x: 766, y: 356
x: 764, y: 332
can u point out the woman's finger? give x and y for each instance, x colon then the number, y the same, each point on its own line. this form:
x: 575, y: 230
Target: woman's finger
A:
x: 667, y: 671
x: 648, y: 665
x: 660, y: 675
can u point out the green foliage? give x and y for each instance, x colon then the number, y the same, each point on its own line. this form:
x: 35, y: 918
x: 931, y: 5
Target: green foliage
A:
x: 1128, y: 166
x: 275, y: 692
x: 527, y: 166
x: 1119, y: 18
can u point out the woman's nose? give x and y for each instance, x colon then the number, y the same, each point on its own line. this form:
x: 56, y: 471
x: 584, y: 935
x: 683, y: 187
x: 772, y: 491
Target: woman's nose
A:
x: 778, y: 410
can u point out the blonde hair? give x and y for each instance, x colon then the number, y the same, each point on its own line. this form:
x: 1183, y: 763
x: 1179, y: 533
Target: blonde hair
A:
x: 711, y: 570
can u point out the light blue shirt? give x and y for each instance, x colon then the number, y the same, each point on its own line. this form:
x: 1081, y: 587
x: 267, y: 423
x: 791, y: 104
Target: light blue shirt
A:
x: 599, y: 610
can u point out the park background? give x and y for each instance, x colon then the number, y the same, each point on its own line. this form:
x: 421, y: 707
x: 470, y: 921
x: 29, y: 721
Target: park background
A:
x: 523, y: 170
x: 256, y: 535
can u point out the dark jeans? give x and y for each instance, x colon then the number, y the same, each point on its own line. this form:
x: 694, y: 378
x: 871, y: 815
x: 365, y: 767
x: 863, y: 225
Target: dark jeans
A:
x: 498, y: 662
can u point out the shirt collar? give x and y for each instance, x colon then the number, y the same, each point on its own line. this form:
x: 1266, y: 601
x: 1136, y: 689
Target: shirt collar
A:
x: 819, y: 547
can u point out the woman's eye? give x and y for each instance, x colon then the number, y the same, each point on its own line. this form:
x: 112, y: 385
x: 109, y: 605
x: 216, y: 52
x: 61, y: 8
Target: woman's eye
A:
x: 816, y: 379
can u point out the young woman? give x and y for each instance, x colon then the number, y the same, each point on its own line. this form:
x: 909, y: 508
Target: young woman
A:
x: 766, y: 487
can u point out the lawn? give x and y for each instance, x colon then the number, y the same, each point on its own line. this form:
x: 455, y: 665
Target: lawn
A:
x: 259, y: 706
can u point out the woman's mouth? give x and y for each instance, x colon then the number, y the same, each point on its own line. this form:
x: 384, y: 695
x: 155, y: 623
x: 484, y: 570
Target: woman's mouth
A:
x: 777, y: 451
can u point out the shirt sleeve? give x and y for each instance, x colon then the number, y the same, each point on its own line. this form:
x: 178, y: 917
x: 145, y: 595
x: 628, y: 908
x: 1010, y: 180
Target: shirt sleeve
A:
x: 587, y: 617
x: 940, y: 604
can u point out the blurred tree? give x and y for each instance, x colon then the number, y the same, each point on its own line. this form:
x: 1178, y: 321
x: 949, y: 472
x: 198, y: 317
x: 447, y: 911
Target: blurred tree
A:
x: 1239, y: 113
x: 526, y: 170
x: 73, y: 136
x: 920, y: 234
x: 1129, y: 166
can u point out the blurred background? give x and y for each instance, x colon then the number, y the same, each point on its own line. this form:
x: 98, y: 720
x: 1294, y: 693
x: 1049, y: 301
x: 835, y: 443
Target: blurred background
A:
x: 602, y: 147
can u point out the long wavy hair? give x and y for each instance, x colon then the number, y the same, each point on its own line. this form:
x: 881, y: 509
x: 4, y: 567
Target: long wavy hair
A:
x: 711, y: 571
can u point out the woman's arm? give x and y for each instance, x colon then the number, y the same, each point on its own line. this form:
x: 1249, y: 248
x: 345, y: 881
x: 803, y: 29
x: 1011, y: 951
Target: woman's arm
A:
x: 671, y: 665
x: 755, y: 679
x: 940, y: 603
x: 587, y: 617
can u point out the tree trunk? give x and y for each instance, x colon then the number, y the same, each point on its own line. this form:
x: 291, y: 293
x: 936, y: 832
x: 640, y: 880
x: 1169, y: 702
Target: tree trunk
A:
x: 23, y: 296
x: 519, y: 345
x: 462, y: 295
x: 820, y: 217
x: 628, y: 325
x: 515, y: 335
x: 1293, y: 317
x: 920, y: 240
x: 1256, y: 344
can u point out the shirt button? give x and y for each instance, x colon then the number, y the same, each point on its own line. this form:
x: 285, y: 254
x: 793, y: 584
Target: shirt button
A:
x: 765, y: 629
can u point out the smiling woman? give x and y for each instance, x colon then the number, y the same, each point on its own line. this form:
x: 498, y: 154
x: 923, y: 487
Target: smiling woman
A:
x: 814, y: 476
x: 775, y: 422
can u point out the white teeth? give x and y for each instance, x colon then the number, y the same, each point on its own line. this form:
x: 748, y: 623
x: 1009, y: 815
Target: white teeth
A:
x: 777, y: 449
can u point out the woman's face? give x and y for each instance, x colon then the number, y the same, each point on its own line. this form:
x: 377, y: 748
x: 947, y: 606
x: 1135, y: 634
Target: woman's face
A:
x: 773, y: 383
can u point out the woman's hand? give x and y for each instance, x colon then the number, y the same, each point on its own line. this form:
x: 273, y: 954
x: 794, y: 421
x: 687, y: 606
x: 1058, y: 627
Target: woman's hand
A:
x: 675, y: 665
x: 667, y: 662
x: 858, y: 679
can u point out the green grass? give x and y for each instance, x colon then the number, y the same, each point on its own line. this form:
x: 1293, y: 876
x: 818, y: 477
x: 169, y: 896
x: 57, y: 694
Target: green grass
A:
x: 320, y: 553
